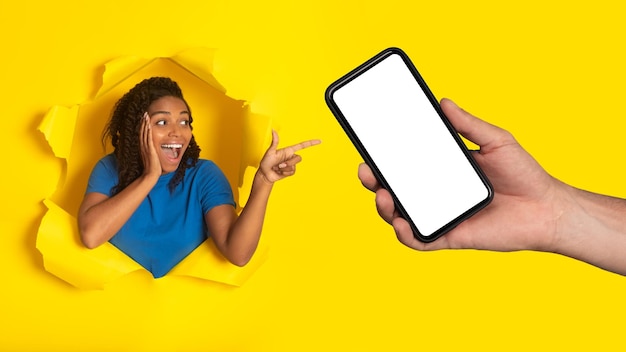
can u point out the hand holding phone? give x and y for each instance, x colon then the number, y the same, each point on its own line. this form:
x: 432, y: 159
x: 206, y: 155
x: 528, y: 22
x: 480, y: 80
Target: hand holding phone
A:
x: 395, y: 122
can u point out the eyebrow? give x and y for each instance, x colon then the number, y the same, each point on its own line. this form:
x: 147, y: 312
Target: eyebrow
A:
x: 168, y: 112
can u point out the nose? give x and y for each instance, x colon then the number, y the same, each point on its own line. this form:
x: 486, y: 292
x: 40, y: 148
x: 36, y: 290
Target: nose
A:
x: 174, y: 130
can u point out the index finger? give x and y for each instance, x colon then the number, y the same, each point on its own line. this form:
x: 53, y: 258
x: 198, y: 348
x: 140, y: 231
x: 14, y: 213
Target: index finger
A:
x: 294, y: 148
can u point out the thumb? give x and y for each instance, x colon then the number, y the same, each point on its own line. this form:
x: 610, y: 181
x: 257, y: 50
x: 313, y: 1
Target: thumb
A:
x: 274, y: 144
x: 469, y: 126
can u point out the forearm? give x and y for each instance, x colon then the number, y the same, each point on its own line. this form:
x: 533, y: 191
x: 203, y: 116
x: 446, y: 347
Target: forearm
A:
x: 243, y: 237
x: 592, y: 228
x: 99, y: 221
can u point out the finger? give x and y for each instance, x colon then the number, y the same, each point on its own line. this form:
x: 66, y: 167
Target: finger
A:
x: 290, y: 162
x: 145, y: 126
x: 282, y: 167
x: 281, y: 170
x: 149, y: 143
x: 476, y: 130
x: 367, y: 177
x: 405, y: 235
x: 274, y: 144
x: 294, y: 148
x: 385, y: 206
x: 288, y: 172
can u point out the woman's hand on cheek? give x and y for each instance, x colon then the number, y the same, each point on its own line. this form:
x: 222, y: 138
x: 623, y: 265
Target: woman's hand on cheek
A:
x: 149, y: 156
x: 280, y: 163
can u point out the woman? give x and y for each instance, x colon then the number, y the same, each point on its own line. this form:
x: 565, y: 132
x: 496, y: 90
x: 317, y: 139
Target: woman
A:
x: 153, y: 197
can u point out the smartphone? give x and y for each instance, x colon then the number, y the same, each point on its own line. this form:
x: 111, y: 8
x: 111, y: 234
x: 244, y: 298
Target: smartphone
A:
x: 396, y: 124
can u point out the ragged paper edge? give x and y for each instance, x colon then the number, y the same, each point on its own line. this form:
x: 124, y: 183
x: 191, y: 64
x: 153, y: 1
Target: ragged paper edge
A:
x: 199, y: 62
x: 118, y: 70
x: 79, y: 266
x: 57, y: 127
x: 58, y: 239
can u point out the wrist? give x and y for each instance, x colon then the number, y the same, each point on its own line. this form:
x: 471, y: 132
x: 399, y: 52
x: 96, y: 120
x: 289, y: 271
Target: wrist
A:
x: 150, y: 178
x: 555, y: 220
x: 577, y: 216
x: 261, y: 179
x: 261, y: 184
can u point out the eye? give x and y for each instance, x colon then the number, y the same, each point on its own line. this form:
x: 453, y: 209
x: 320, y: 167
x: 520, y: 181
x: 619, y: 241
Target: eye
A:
x: 184, y: 122
x: 160, y: 123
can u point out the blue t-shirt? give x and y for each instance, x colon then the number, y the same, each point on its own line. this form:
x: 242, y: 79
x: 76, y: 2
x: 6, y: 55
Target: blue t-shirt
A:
x: 166, y: 226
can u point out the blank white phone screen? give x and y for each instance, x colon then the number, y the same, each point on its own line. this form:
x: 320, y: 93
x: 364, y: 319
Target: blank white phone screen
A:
x: 410, y: 145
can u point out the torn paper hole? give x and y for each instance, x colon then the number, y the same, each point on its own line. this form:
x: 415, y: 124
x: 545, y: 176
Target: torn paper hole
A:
x: 227, y: 131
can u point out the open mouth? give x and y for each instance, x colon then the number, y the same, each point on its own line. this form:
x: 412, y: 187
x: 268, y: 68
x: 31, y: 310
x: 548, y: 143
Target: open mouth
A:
x: 172, y: 151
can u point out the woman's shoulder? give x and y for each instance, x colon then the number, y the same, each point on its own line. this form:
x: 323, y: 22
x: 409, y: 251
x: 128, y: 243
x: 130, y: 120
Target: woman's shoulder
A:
x: 210, y: 178
x: 109, y: 159
x: 207, y: 167
x: 108, y: 162
x: 206, y: 163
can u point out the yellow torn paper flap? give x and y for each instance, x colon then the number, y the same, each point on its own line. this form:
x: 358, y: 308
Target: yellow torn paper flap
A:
x: 67, y: 258
x: 58, y: 128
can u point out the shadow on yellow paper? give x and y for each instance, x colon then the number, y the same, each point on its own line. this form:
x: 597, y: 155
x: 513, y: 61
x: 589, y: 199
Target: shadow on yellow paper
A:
x: 227, y: 131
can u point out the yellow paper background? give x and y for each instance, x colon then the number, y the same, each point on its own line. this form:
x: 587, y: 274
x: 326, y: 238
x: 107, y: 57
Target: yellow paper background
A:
x: 336, y: 278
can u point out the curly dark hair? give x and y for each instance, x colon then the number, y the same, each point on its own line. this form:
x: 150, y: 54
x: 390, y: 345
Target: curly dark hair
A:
x: 125, y: 123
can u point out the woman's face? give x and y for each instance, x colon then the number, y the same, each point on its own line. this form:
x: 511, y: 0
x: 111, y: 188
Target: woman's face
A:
x: 171, y: 132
